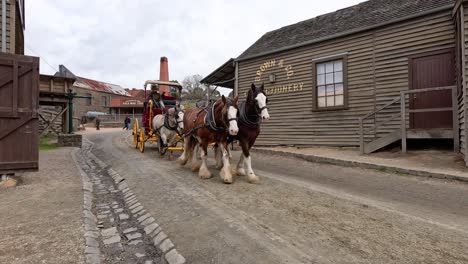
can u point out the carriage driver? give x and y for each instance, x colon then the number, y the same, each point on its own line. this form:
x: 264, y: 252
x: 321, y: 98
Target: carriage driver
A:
x: 154, y: 96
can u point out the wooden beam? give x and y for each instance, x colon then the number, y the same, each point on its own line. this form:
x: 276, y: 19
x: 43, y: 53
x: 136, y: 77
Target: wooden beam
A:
x: 456, y: 128
x: 403, y: 122
x: 429, y: 89
x: 52, y: 121
x: 428, y: 110
x: 361, y: 135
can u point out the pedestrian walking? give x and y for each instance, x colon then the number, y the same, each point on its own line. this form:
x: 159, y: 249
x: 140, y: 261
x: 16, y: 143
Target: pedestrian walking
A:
x: 127, y: 122
x: 98, y: 123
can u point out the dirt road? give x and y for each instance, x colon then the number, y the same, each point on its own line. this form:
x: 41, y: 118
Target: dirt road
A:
x: 41, y: 219
x: 300, y: 212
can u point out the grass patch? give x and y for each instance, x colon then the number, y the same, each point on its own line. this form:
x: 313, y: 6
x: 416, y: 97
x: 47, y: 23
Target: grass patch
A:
x: 47, y: 143
x: 382, y: 169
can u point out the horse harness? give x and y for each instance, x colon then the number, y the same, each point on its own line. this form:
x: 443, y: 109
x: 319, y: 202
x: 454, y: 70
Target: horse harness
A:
x: 209, y: 120
x: 244, y: 118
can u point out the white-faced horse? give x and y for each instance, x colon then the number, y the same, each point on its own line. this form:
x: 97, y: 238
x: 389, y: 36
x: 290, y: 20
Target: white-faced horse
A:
x: 169, y: 124
x: 251, y: 113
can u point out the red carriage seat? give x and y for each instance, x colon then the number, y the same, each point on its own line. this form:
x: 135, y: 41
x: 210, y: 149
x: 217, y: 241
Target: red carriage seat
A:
x: 169, y: 102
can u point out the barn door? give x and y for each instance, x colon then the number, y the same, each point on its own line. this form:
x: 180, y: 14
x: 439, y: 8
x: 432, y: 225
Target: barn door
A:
x: 19, y: 96
x: 429, y: 70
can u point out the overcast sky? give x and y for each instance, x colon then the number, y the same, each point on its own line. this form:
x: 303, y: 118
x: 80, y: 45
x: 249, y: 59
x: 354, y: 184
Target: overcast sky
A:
x: 121, y: 41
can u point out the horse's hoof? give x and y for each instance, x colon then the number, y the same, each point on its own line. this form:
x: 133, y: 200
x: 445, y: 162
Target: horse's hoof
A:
x: 253, y: 179
x: 240, y: 172
x: 195, y: 167
x: 227, y: 181
x: 181, y: 162
x: 226, y: 175
x: 204, y: 174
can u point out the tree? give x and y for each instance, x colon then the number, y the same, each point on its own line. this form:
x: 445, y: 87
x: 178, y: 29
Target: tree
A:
x: 193, y: 89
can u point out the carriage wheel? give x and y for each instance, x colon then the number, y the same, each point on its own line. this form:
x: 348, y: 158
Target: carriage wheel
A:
x: 135, y: 133
x: 142, y: 140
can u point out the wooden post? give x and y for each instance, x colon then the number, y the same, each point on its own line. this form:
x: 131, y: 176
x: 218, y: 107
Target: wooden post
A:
x: 361, y: 135
x: 403, y: 122
x: 456, y: 131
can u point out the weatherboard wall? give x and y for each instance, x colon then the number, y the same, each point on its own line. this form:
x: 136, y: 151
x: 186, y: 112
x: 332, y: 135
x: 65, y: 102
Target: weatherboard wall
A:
x: 14, y: 30
x: 463, y: 109
x: 377, y: 71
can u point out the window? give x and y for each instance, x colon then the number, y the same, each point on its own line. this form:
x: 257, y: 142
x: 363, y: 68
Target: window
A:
x: 89, y: 101
x: 104, y: 101
x: 330, y: 84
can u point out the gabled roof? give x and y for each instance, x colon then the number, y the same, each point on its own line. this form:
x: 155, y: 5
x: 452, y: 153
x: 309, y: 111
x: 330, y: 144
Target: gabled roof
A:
x: 364, y: 16
x: 91, y: 84
x: 100, y: 86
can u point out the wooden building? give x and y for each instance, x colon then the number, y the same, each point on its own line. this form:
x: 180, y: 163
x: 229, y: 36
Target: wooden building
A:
x: 394, y: 66
x: 12, y: 25
x: 101, y: 94
x: 19, y: 94
x: 53, y: 103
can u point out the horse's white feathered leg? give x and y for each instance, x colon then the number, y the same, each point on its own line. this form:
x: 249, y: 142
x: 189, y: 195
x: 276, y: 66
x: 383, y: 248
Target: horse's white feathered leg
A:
x: 195, y: 162
x: 251, y: 177
x: 182, y: 160
x: 225, y: 173
x: 240, y: 166
x: 204, y: 173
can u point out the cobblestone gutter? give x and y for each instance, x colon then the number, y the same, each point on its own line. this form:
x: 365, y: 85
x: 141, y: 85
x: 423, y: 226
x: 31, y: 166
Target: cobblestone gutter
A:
x: 117, y: 227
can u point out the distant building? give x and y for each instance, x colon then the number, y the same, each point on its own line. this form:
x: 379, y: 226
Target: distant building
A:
x: 101, y: 93
x: 127, y: 106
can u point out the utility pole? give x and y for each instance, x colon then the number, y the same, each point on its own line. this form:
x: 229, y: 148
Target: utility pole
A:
x: 71, y: 95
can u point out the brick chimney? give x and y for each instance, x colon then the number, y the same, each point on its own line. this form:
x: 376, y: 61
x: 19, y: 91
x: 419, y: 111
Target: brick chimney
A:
x: 164, y: 75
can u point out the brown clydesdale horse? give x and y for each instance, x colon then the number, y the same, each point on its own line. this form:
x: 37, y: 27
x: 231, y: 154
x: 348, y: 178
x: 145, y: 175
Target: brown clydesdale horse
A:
x: 251, y: 113
x: 212, y: 124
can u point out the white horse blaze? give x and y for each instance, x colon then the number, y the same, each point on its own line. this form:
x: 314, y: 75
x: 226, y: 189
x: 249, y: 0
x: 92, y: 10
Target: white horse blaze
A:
x: 233, y: 128
x: 180, y: 120
x: 261, y: 101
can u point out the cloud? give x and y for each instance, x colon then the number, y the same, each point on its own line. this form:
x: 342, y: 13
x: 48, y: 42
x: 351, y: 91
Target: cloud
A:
x: 121, y: 41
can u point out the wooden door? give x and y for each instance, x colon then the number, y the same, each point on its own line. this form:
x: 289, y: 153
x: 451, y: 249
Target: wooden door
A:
x: 19, y: 97
x: 429, y: 70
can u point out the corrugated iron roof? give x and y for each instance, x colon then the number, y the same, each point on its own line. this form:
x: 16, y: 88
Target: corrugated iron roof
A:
x: 136, y: 92
x: 100, y: 86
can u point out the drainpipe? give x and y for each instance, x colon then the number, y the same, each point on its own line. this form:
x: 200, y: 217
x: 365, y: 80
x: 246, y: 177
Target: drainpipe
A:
x: 3, y: 25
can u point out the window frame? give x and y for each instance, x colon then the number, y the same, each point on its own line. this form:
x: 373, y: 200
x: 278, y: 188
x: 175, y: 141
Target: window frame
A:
x: 315, y: 96
x: 89, y: 101
x: 104, y: 102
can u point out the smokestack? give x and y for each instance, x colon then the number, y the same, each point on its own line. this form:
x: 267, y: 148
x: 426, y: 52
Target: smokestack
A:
x: 164, y: 75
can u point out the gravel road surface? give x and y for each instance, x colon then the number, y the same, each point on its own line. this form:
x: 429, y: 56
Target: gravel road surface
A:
x: 300, y: 212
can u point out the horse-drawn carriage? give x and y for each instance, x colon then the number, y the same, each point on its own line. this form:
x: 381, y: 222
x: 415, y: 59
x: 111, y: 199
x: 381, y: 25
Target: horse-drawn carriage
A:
x: 214, y: 124
x: 157, y: 105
